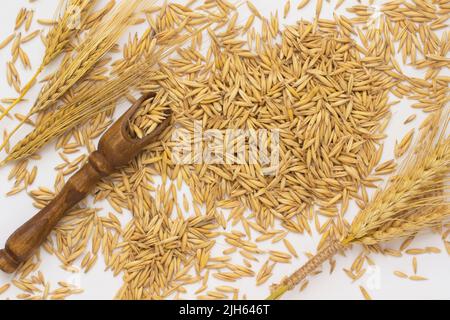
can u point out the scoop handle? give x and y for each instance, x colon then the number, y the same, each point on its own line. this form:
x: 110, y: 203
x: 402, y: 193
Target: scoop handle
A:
x: 27, y: 239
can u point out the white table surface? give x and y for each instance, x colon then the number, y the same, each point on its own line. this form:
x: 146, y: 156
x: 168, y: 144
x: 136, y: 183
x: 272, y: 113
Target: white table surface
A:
x: 98, y: 284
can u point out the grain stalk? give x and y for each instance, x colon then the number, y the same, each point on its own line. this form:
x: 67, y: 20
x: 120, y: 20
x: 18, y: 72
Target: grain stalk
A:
x: 414, y: 199
x: 90, y: 102
x: 100, y: 40
x: 57, y: 40
x: 98, y: 43
x: 93, y: 101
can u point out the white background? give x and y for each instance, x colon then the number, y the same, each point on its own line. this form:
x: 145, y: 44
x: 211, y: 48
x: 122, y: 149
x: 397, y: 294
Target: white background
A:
x: 380, y: 282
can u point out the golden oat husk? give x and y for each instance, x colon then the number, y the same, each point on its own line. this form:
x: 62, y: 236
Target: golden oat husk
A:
x: 57, y: 40
x: 414, y: 199
x: 100, y: 40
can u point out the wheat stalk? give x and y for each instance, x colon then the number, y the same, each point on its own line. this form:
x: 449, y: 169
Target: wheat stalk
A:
x: 415, y: 199
x: 92, y: 101
x: 100, y: 40
x: 57, y: 40
x: 59, y: 36
x: 98, y: 43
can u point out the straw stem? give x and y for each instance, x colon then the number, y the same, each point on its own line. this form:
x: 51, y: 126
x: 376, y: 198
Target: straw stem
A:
x: 290, y: 282
x: 24, y: 91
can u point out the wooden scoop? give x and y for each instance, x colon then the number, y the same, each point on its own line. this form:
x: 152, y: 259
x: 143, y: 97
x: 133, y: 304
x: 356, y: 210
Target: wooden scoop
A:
x: 116, y: 149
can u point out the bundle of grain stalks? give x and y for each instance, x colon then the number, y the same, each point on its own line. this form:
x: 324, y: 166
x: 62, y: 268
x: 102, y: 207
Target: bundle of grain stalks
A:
x: 58, y: 39
x: 92, y: 100
x: 153, y: 112
x: 99, y: 41
x: 415, y: 198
